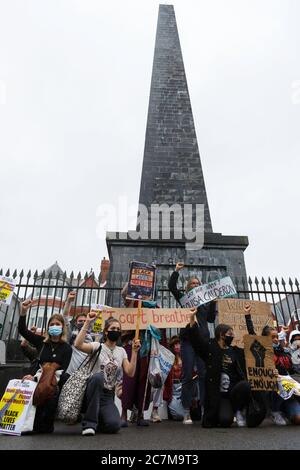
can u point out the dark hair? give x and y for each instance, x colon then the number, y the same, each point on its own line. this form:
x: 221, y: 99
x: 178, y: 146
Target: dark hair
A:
x: 267, y: 330
x: 174, y: 340
x: 221, y: 330
x: 83, y: 314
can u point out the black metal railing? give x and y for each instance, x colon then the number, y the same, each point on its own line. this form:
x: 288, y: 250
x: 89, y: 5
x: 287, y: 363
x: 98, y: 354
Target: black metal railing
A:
x: 49, y: 291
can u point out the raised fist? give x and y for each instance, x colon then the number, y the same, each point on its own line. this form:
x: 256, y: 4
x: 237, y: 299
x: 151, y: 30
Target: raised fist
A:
x: 25, y: 306
x: 247, y: 308
x: 179, y: 266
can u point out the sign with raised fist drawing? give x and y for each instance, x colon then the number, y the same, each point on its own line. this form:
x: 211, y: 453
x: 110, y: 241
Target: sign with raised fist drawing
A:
x: 260, y: 362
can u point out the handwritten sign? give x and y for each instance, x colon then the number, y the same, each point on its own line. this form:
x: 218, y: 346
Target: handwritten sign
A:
x: 141, y: 281
x: 207, y: 292
x: 159, y: 317
x: 260, y: 363
x: 231, y: 312
x: 7, y: 286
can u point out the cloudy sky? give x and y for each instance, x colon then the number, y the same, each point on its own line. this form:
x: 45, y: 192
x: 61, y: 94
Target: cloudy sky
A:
x: 74, y: 89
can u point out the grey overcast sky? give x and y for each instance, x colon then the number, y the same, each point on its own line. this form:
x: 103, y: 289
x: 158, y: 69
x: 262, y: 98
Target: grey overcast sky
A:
x: 74, y: 89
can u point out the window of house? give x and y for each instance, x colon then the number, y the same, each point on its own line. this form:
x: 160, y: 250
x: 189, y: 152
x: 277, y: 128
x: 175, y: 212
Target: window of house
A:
x: 89, y: 297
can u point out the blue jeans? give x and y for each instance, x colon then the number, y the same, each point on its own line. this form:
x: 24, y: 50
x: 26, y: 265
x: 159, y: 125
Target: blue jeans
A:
x: 175, y: 406
x: 190, y: 362
x: 290, y: 407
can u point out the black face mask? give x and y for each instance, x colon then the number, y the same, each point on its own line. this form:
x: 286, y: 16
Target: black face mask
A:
x: 80, y: 325
x: 113, y: 335
x: 228, y: 340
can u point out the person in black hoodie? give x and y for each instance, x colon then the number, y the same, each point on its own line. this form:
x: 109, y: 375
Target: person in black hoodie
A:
x: 51, y: 348
x: 227, y: 392
x: 192, y: 363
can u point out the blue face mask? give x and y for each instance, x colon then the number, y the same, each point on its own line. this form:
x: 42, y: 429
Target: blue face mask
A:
x: 55, y: 330
x: 276, y: 346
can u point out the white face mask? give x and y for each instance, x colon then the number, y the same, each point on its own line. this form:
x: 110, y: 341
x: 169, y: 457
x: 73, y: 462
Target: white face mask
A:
x: 296, y: 344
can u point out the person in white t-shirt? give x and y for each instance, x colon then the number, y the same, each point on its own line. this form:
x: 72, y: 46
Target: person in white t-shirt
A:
x: 101, y: 413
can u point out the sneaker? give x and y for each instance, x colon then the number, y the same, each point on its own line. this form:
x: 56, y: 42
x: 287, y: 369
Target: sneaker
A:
x: 142, y: 422
x: 187, y: 420
x: 240, y: 419
x: 155, y: 418
x: 278, y: 419
x: 88, y: 432
x: 124, y: 424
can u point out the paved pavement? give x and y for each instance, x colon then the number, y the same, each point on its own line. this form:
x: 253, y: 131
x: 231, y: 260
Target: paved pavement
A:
x: 164, y: 436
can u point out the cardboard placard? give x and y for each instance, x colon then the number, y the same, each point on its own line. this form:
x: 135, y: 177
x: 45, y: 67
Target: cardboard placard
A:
x: 231, y: 312
x: 260, y: 364
x: 207, y: 292
x: 159, y: 317
x: 141, y: 282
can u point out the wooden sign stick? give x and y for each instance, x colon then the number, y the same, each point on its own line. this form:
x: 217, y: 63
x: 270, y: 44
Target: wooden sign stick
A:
x: 139, y: 313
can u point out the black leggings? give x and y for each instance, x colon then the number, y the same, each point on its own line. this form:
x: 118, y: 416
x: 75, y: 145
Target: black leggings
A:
x: 238, y: 399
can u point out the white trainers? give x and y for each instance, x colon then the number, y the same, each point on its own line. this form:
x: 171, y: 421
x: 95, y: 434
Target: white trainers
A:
x: 278, y: 419
x: 88, y: 432
x: 240, y: 419
x: 155, y: 418
x: 187, y: 420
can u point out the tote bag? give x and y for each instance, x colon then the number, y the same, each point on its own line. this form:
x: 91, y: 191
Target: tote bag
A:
x: 72, y: 393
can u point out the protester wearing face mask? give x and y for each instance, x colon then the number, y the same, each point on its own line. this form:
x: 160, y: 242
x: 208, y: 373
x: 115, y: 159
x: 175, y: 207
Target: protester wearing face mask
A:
x: 101, y: 413
x: 52, y: 348
x: 191, y: 362
x: 227, y: 391
x: 282, y: 411
x: 294, y: 348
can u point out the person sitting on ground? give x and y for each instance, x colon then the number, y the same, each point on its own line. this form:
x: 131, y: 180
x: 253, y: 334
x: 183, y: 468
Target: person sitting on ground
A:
x: 101, y: 413
x: 52, y: 348
x: 228, y: 392
x: 173, y: 385
x: 282, y: 411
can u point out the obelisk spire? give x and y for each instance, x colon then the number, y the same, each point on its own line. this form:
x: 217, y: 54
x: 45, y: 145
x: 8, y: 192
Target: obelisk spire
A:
x: 172, y: 171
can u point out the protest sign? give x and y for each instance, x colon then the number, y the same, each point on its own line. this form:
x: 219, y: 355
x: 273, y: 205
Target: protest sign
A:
x: 16, y: 410
x: 260, y: 365
x: 231, y: 312
x: 7, y: 286
x: 98, y: 323
x: 141, y: 283
x: 287, y: 387
x: 159, y: 317
x: 206, y: 292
